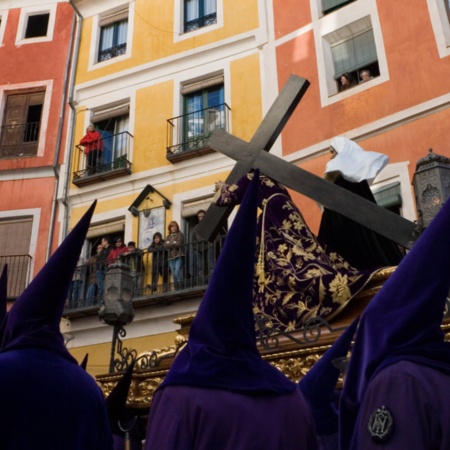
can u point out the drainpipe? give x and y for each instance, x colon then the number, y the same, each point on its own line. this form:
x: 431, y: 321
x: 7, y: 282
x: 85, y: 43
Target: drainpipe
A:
x: 55, y: 167
x: 71, y: 127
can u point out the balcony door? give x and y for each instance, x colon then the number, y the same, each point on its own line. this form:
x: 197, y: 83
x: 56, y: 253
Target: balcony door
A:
x: 21, y: 124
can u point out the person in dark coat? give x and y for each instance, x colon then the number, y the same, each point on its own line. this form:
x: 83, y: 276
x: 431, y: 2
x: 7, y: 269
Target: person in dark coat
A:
x: 219, y: 393
x: 47, y: 400
x: 396, y: 391
x: 159, y: 262
x: 353, y: 168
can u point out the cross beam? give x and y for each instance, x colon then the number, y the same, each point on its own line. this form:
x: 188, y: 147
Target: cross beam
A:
x: 380, y: 220
x: 254, y: 154
x: 261, y: 142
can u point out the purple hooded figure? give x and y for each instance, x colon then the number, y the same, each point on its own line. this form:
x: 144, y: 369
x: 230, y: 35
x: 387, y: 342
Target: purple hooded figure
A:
x: 3, y: 300
x: 124, y: 427
x: 219, y: 393
x: 319, y: 388
x: 47, y: 400
x: 397, y: 387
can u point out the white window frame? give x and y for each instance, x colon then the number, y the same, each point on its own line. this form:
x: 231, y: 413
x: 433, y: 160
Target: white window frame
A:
x: 441, y: 26
x: 181, y: 35
x: 325, y: 26
x: 96, y: 34
x: 25, y: 13
x: 3, y: 19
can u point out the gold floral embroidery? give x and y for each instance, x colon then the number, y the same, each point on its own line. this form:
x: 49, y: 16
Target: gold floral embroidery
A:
x: 339, y: 289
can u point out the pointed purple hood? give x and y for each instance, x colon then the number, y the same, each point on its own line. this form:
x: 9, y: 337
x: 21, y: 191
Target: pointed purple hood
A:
x: 403, y: 321
x: 221, y: 352
x: 33, y: 321
x: 3, y: 300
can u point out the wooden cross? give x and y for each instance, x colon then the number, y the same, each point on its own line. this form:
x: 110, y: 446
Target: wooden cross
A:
x: 255, y: 155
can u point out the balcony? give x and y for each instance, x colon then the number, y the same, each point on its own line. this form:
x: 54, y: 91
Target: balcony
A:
x: 112, y: 52
x: 151, y: 286
x: 187, y: 135
x: 200, y: 22
x: 19, y: 273
x: 113, y: 162
x: 17, y: 141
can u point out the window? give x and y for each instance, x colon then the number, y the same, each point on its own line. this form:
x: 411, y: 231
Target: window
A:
x: 37, y: 25
x: 447, y: 9
x: 199, y: 13
x: 353, y: 51
x: 113, y: 36
x: 115, y: 137
x: 21, y: 124
x: 15, y: 238
x: 329, y: 6
x: 204, y: 111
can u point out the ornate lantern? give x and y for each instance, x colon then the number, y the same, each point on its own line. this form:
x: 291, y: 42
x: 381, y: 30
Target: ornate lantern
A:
x: 431, y: 183
x: 117, y: 307
x: 117, y: 310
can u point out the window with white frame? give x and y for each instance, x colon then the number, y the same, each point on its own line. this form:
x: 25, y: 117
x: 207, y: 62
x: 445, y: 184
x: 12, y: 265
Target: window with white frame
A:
x: 36, y: 24
x: 113, y: 35
x: 203, y: 108
x: 199, y: 13
x: 440, y: 21
x: 353, y: 53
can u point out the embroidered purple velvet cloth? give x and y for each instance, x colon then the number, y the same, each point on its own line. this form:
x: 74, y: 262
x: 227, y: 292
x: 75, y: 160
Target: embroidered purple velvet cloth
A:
x: 295, y: 277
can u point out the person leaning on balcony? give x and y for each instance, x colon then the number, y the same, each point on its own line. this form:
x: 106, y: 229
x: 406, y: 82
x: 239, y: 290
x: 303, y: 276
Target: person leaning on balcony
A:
x: 159, y: 261
x: 93, y: 148
x: 119, y: 249
x: 175, y: 253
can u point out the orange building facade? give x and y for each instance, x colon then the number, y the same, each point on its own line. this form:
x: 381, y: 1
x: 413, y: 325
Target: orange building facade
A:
x: 402, y: 110
x: 35, y: 43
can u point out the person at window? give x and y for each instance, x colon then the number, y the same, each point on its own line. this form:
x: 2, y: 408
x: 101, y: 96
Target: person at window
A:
x: 101, y: 265
x: 119, y: 249
x: 93, y: 148
x: 92, y: 277
x: 365, y: 76
x: 159, y: 262
x: 296, y: 277
x: 353, y: 168
x: 174, y: 244
x: 347, y: 81
x: 203, y: 254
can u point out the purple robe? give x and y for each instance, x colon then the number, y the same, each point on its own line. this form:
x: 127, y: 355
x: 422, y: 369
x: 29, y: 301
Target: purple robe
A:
x: 49, y: 402
x: 187, y: 418
x: 296, y: 277
x: 418, y: 399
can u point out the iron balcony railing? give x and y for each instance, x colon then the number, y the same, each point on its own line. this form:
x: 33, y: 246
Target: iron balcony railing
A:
x: 151, y: 272
x: 200, y: 22
x: 19, y: 140
x: 114, y: 157
x: 191, y: 131
x: 112, y: 52
x: 19, y: 273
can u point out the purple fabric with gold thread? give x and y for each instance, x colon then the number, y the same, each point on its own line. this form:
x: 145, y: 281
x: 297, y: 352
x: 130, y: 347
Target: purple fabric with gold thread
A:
x: 296, y: 277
